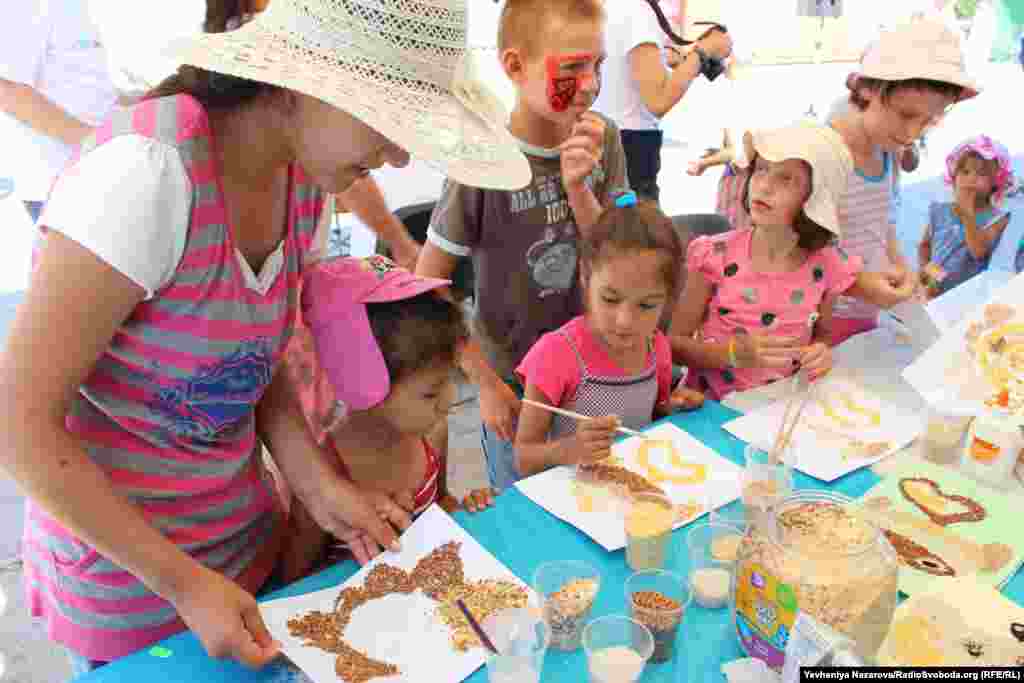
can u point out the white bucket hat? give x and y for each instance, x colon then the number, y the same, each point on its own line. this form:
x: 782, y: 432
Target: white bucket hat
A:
x: 923, y: 48
x: 830, y: 159
x: 400, y: 66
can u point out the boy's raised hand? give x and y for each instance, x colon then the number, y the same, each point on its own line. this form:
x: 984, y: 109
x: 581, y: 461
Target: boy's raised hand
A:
x: 582, y: 151
x: 593, y: 439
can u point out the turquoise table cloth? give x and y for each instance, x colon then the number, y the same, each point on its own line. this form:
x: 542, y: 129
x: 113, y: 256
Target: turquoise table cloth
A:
x: 522, y: 536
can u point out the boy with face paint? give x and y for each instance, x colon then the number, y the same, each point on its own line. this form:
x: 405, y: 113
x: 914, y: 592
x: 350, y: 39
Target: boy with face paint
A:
x: 524, y: 243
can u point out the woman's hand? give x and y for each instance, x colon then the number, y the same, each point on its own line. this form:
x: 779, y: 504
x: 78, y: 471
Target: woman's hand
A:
x: 592, y: 441
x: 365, y: 521
x: 480, y: 499
x: 756, y: 351
x: 499, y: 408
x: 696, y: 167
x: 816, y: 360
x: 226, y: 620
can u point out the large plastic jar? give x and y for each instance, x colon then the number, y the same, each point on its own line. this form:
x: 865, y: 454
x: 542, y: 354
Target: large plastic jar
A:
x: 813, y: 553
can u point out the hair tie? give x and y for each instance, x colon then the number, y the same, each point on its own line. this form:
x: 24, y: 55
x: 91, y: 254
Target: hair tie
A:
x: 625, y: 199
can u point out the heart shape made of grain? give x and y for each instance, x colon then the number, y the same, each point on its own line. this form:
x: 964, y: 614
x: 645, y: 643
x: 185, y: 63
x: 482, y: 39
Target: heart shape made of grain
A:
x: 942, y: 508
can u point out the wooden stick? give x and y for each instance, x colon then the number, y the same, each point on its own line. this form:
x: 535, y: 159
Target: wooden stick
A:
x: 577, y: 416
x: 476, y: 627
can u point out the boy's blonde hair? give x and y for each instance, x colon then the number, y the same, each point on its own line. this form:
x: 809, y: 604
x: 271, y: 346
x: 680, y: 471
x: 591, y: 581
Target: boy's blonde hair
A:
x: 520, y: 19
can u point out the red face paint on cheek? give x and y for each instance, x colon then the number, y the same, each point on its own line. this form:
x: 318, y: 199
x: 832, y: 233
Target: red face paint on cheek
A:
x: 562, y: 88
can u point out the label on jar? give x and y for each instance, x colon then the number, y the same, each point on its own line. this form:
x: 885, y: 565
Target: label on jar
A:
x: 810, y: 643
x: 766, y: 610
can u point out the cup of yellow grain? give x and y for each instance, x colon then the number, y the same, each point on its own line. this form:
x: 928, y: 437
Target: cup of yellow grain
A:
x: 649, y: 521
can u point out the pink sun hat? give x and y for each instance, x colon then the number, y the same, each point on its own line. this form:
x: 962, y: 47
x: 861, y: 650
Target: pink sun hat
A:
x: 990, y: 150
x: 346, y: 371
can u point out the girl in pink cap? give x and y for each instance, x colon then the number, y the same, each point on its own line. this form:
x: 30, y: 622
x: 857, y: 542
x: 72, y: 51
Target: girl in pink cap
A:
x: 961, y: 235
x: 372, y: 361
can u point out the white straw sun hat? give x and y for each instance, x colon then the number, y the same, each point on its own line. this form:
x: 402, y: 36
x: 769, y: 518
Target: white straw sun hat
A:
x: 923, y: 48
x: 829, y: 157
x: 400, y: 66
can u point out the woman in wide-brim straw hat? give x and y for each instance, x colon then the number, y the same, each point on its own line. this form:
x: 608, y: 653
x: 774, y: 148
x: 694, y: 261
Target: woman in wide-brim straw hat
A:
x: 139, y: 375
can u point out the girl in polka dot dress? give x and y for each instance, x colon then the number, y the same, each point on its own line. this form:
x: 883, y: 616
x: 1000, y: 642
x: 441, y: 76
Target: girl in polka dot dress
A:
x: 612, y: 363
x: 758, y: 302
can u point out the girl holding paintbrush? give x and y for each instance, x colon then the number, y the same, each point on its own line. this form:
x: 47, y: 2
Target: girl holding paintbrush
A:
x: 611, y: 364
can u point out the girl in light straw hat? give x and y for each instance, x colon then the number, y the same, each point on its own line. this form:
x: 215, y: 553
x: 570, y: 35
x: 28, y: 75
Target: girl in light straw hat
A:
x: 908, y: 78
x: 141, y: 367
x: 758, y: 302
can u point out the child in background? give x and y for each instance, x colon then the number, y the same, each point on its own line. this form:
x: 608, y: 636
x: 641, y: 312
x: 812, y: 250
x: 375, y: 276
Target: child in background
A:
x: 758, y: 303
x: 908, y: 79
x: 524, y: 243
x: 612, y: 363
x: 372, y: 360
x: 961, y: 235
x: 729, y: 200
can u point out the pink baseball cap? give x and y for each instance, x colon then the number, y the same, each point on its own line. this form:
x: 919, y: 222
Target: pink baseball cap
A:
x: 334, y: 297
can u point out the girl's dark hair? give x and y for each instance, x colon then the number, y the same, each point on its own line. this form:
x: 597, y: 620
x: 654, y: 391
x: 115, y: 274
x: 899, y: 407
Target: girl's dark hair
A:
x: 887, y: 89
x: 810, y: 235
x: 214, y: 90
x: 416, y: 333
x: 630, y: 228
x: 666, y: 25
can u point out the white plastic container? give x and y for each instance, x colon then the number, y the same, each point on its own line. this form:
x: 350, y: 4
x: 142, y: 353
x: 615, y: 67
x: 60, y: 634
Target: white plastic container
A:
x: 994, y: 442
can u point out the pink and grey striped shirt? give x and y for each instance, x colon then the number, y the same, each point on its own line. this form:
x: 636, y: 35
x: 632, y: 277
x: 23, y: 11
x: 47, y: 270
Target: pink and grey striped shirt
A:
x: 864, y: 215
x: 168, y: 411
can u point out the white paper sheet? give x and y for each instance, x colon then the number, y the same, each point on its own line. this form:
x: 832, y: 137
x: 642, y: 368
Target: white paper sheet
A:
x: 949, y: 309
x: 553, y: 489
x: 945, y: 374
x: 916, y: 323
x: 398, y: 629
x: 824, y: 440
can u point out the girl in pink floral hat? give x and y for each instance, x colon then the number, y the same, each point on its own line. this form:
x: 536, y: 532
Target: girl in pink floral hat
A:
x: 962, y: 234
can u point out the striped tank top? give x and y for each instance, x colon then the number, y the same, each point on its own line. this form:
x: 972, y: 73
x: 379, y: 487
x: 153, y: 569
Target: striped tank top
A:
x: 168, y: 411
x: 864, y: 215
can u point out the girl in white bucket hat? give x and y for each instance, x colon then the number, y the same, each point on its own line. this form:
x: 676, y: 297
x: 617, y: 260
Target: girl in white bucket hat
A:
x: 908, y: 78
x: 140, y: 376
x: 757, y: 304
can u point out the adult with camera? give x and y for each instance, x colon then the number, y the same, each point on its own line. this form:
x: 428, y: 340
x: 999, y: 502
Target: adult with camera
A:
x: 638, y: 87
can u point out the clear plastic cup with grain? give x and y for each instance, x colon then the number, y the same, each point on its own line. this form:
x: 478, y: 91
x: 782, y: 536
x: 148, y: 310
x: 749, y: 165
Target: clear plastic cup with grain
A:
x: 767, y: 478
x: 712, y: 548
x: 567, y: 590
x: 649, y: 521
x: 658, y: 600
x: 617, y: 648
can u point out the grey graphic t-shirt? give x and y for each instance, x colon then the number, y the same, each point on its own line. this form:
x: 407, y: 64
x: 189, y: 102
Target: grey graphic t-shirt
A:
x: 524, y: 249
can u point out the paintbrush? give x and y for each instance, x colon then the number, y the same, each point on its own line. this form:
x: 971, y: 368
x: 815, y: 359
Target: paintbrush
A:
x: 582, y: 418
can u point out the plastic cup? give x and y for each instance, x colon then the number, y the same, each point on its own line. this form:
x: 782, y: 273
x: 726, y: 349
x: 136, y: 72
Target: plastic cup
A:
x: 942, y: 436
x: 658, y: 600
x: 764, y: 482
x: 567, y: 590
x: 713, y: 549
x: 617, y: 649
x: 521, y: 638
x: 649, y: 522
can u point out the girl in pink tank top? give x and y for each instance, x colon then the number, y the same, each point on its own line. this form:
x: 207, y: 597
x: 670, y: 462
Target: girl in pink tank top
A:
x: 613, y: 363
